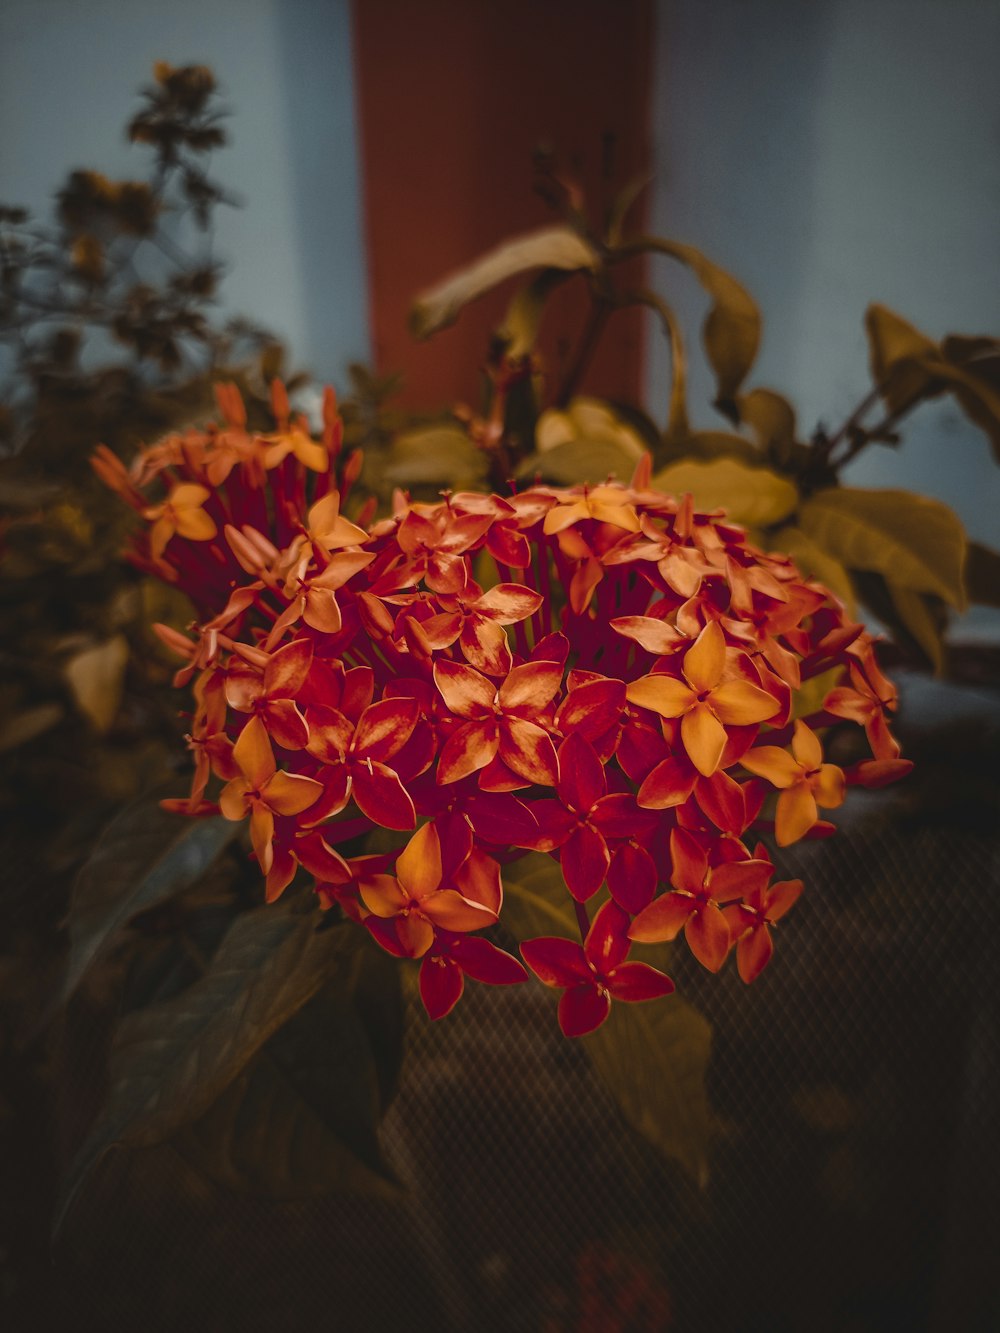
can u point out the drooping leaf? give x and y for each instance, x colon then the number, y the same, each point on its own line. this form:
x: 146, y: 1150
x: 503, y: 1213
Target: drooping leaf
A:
x: 536, y: 902
x: 917, y: 542
x: 549, y: 247
x: 653, y: 1059
x: 171, y: 1061
x: 982, y: 575
x: 754, y: 496
x: 812, y: 559
x: 144, y: 858
x: 677, y: 417
x: 95, y: 677
x: 978, y: 358
x: 898, y: 353
x: 771, y: 417
x: 731, y: 332
x: 920, y: 621
x: 302, y: 1118
x: 519, y: 328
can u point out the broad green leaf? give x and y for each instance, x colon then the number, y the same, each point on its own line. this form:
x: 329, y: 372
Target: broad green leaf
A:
x: 753, y: 496
x: 898, y: 353
x: 144, y: 857
x: 576, y: 461
x: 731, y: 332
x: 170, y: 1062
x: 537, y: 902
x: 812, y: 559
x: 302, y: 1119
x: 772, y: 420
x: 549, y: 247
x: 96, y: 676
x: 920, y: 621
x: 654, y: 1057
x: 917, y: 542
x: 982, y: 575
x: 435, y: 456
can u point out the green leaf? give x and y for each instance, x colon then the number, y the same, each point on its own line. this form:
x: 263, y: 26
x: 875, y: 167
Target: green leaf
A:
x: 435, y: 456
x: 537, y: 902
x: 731, y: 332
x: 917, y: 542
x: 771, y: 417
x: 654, y: 1058
x: 302, y: 1119
x: 520, y: 326
x: 549, y: 247
x: 144, y: 858
x: 919, y: 620
x: 982, y: 575
x: 897, y: 354
x: 977, y: 391
x: 812, y: 559
x: 171, y: 1061
x: 753, y: 496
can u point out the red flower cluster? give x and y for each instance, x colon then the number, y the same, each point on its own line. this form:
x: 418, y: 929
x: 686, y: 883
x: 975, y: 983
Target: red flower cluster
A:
x: 622, y: 697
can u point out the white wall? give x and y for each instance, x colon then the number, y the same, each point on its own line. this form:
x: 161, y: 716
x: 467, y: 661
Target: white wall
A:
x: 69, y: 72
x: 830, y: 153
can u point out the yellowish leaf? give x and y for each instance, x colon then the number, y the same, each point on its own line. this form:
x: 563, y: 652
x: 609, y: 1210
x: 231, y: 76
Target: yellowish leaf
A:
x: 812, y: 559
x: 96, y: 676
x: 772, y: 420
x: 549, y: 247
x: 753, y: 496
x: 916, y: 615
x: 917, y: 542
x: 731, y: 332
x: 435, y: 456
x: 898, y: 355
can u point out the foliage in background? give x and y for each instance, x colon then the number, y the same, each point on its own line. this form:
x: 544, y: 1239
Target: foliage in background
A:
x: 905, y: 557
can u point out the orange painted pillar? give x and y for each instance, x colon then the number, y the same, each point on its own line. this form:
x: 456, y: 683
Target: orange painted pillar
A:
x: 454, y: 98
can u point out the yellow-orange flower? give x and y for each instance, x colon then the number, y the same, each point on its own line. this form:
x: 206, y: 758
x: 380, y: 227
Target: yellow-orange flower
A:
x: 804, y: 780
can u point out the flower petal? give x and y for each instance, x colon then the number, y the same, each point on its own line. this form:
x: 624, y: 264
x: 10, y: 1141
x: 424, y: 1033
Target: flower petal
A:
x: 528, y: 750
x: 721, y: 799
x: 529, y: 688
x: 584, y: 859
x: 632, y: 877
x: 449, y: 909
x: 773, y: 763
x: 669, y: 784
x: 708, y: 936
x: 556, y: 961
x: 379, y: 794
x: 638, y: 981
x: 289, y: 794
x: 607, y: 942
x: 383, y: 895
x: 287, y: 669
x: 753, y: 953
x: 704, y: 738
x: 483, y: 961
x: 795, y: 815
x: 737, y: 703
x: 418, y: 866
x: 441, y: 985
x: 581, y: 774
x: 662, y: 919
x: 651, y: 633
x: 465, y: 692
x: 384, y: 728
x: 469, y: 748
x: 661, y: 694
x: 705, y: 660
x: 806, y: 747
x: 254, y: 755
x: 582, y: 1009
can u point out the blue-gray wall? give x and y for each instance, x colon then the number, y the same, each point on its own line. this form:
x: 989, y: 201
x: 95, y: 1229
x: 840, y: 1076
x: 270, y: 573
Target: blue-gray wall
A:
x: 69, y: 71
x: 830, y: 153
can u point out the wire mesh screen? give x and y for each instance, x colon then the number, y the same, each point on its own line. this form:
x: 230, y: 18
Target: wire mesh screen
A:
x: 854, y: 1170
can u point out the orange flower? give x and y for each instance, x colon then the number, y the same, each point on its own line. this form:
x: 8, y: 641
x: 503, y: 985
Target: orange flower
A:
x: 804, y: 780
x: 703, y: 700
x: 180, y: 513
x: 263, y: 791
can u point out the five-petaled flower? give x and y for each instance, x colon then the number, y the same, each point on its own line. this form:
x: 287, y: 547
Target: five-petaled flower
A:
x: 594, y: 973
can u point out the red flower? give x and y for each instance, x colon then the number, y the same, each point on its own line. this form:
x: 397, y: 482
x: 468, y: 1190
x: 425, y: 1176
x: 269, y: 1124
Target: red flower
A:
x: 455, y: 957
x: 595, y: 973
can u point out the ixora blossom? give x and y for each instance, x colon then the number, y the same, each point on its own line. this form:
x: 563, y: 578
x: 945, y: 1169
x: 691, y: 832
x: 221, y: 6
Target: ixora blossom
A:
x: 597, y: 674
